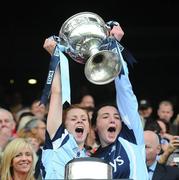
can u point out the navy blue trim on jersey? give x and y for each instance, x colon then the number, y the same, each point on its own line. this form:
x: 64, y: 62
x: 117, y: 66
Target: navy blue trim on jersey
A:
x: 42, y: 170
x: 48, y: 143
x: 58, y: 134
x: 127, y: 134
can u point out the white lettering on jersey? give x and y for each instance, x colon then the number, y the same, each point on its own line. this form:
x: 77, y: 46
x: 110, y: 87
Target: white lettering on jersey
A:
x: 118, y: 161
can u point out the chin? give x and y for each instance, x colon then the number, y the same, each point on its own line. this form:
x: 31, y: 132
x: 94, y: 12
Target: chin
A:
x: 80, y: 141
x: 110, y: 141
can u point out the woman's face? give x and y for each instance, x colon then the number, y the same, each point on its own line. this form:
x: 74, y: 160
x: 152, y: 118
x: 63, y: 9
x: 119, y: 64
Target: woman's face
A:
x: 22, y: 162
x: 34, y: 142
x: 163, y: 128
x: 38, y: 111
x: 108, y: 125
x: 77, y: 123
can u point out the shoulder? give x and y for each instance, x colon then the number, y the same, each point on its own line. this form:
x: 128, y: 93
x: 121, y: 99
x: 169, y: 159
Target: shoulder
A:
x: 167, y: 169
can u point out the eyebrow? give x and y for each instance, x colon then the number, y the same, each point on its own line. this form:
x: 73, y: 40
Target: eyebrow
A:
x: 75, y: 116
x: 109, y: 113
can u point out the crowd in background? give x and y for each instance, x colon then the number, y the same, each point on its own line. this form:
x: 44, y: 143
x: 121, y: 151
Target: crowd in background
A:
x: 28, y: 124
x: 37, y: 141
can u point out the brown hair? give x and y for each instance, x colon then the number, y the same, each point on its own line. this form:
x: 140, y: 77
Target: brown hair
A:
x: 74, y: 106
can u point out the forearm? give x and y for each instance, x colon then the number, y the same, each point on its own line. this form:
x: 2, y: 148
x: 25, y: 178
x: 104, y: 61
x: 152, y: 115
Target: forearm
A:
x: 164, y: 157
x: 173, y: 144
x: 127, y: 104
x: 54, y: 118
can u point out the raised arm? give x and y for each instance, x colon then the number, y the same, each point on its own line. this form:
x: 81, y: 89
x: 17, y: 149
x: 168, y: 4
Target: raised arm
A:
x: 126, y: 99
x: 54, y: 118
x: 128, y: 105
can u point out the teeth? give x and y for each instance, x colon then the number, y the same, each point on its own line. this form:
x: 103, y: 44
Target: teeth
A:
x: 79, y: 126
x: 24, y: 163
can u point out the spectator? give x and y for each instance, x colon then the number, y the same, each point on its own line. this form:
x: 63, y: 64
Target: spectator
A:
x: 87, y: 101
x: 171, y: 153
x: 165, y: 113
x: 36, y: 127
x: 165, y: 135
x: 40, y: 111
x: 34, y: 132
x: 18, y: 161
x: 145, y: 108
x: 23, y: 119
x: 7, y: 127
x: 155, y: 169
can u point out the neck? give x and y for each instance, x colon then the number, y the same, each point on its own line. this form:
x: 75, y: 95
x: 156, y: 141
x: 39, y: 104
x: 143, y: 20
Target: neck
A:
x: 81, y: 146
x: 21, y: 176
x: 104, y: 144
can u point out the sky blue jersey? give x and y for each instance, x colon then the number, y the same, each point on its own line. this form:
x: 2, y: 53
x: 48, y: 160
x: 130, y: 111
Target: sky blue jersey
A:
x: 127, y: 154
x: 58, y: 152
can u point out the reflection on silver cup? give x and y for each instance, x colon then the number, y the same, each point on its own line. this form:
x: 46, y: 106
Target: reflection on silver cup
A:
x: 88, y: 168
x: 83, y: 34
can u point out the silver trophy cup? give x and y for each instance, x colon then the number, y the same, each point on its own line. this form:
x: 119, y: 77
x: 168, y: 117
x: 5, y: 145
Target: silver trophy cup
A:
x: 88, y: 168
x: 83, y: 34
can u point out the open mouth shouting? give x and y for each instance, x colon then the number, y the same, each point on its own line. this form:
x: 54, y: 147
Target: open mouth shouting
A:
x: 112, y: 132
x: 111, y: 129
x: 79, y: 131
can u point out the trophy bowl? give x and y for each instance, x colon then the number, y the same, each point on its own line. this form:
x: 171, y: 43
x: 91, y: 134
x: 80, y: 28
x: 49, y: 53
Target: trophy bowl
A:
x: 83, y: 34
